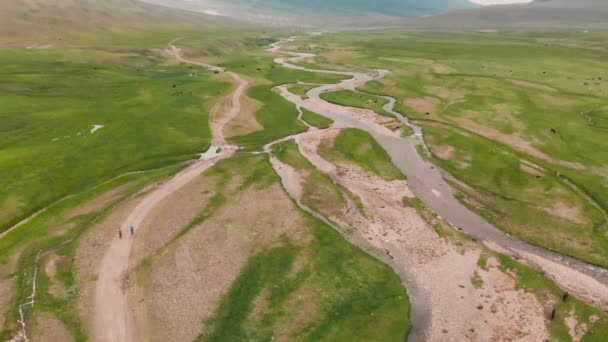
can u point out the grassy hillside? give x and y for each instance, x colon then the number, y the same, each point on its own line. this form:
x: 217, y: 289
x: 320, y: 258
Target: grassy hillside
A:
x: 82, y: 22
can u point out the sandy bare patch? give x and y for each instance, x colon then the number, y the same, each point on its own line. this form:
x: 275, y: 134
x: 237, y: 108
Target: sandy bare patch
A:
x: 531, y: 85
x: 210, y: 258
x: 442, y: 69
x: 296, y: 179
x: 504, y: 113
x: 440, y: 271
x: 305, y: 303
x: 423, y: 105
x: 443, y: 152
x: 171, y: 216
x: 244, y: 122
x: 37, y: 46
x: 515, y: 141
x: 575, y: 329
x: 283, y: 90
x: 551, y: 100
x: 449, y: 95
x: 56, y: 289
x: 6, y: 294
x: 47, y: 328
x: 572, y: 213
x: 362, y: 114
x: 99, y: 202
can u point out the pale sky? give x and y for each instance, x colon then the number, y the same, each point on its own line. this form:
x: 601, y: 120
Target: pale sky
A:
x: 496, y: 2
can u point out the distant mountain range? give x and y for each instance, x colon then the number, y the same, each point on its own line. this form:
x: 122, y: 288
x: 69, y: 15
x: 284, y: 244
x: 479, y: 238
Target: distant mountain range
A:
x: 341, y: 7
x: 25, y: 18
x: 18, y: 16
x: 316, y: 12
x: 539, y: 13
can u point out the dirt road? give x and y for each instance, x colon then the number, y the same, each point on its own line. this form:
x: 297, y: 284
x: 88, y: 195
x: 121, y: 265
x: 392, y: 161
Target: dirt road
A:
x: 112, y: 316
x: 219, y: 119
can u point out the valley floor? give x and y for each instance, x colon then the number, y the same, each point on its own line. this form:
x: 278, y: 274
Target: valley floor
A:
x: 313, y: 214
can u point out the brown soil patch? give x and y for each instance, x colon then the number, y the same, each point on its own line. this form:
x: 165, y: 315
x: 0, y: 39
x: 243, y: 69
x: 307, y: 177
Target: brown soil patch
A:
x: 575, y: 329
x: 531, y: 85
x: 450, y: 96
x: 99, y: 202
x: 172, y: 214
x: 296, y: 178
x: 210, y: 258
x: 572, y: 213
x: 304, y: 302
x: 551, y: 100
x: 442, y: 69
x: 505, y: 114
x: 10, y: 265
x: 302, y: 260
x: 443, y: 152
x: 56, y: 289
x: 47, y: 328
x: 7, y: 288
x: 245, y: 121
x: 423, y: 105
x: 515, y: 141
x: 228, y: 109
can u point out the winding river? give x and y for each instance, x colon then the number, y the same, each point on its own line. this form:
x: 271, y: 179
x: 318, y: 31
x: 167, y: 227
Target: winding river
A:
x: 428, y: 184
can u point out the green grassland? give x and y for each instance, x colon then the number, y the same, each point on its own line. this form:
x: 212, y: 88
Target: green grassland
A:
x: 503, y: 100
x: 301, y: 90
x: 49, y: 108
x: 155, y: 117
x: 360, y: 148
x: 278, y: 116
x: 320, y: 193
x: 315, y: 119
x: 522, y: 203
x: 358, y: 100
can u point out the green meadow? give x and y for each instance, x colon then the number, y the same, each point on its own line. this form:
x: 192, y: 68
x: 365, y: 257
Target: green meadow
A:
x: 154, y: 114
x: 360, y: 148
x: 358, y: 100
x: 315, y: 119
x: 151, y: 117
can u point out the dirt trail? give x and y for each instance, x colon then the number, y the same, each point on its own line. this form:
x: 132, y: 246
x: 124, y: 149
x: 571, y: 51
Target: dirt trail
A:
x: 112, y: 315
x: 220, y: 120
x: 175, y: 52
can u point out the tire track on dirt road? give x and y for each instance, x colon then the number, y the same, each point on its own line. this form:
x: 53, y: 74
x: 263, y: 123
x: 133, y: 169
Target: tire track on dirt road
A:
x: 113, y: 321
